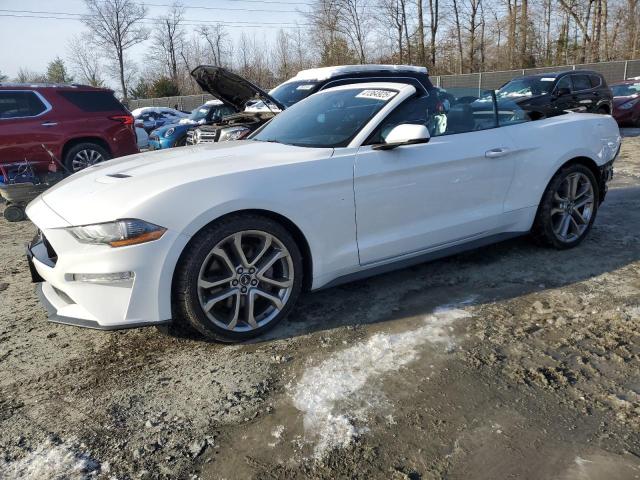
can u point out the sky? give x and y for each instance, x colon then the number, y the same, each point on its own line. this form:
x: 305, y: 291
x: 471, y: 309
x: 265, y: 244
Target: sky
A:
x: 33, y: 42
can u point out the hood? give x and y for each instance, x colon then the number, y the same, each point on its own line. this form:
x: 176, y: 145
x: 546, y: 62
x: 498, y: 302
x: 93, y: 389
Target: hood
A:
x: 231, y: 89
x: 617, y: 101
x: 124, y: 187
x: 178, y: 126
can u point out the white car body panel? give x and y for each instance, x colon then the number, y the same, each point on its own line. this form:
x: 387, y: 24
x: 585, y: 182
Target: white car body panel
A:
x: 356, y: 207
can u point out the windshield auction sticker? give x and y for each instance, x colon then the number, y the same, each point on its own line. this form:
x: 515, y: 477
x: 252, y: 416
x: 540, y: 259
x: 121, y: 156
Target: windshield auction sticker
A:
x: 382, y: 95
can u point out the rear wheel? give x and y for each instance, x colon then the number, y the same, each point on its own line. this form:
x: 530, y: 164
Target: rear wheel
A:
x: 239, y: 278
x: 84, y: 155
x: 568, y: 208
x: 14, y: 213
x: 603, y: 111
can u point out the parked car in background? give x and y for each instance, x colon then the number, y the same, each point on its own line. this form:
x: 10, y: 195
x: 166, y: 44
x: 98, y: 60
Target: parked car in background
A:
x: 151, y: 118
x: 227, y: 237
x: 80, y: 125
x: 142, y: 138
x: 175, y: 134
x: 548, y: 94
x: 241, y: 94
x: 626, y: 102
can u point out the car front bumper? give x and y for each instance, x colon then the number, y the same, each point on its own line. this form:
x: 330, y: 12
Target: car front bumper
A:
x: 56, y: 259
x: 624, y: 117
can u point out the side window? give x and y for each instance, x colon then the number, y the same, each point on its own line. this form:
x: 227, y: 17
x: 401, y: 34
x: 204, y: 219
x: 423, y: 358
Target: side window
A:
x: 224, y: 111
x: 443, y: 113
x: 93, y: 101
x: 581, y: 82
x: 564, y: 82
x: 20, y: 104
x: 595, y: 80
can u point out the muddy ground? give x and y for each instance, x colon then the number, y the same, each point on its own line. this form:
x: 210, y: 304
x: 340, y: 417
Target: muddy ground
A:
x: 512, y: 361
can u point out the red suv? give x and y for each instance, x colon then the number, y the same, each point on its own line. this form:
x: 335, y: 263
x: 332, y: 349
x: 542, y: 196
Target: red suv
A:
x: 80, y: 125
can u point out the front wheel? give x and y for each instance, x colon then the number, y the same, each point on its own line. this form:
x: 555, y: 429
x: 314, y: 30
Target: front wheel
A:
x: 238, y: 278
x: 568, y: 208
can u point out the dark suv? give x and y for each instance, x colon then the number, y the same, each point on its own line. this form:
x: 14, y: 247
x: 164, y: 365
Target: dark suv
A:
x: 549, y: 94
x: 80, y: 125
x: 238, y: 93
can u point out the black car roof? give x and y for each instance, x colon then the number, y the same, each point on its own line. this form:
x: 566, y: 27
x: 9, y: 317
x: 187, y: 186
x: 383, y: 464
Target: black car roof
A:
x: 560, y: 73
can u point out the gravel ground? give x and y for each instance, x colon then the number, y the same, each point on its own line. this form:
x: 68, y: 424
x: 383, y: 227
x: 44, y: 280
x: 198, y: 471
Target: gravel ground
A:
x: 512, y: 361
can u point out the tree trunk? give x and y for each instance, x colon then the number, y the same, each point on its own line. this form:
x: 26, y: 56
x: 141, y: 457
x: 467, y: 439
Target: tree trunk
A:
x: 524, y: 27
x: 422, y: 53
x: 459, y: 35
x: 433, y: 24
x: 406, y: 28
x: 125, y: 94
x: 511, y: 37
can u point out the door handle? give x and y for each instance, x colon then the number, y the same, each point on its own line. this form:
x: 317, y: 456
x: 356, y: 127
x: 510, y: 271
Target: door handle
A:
x: 49, y: 124
x: 497, y: 152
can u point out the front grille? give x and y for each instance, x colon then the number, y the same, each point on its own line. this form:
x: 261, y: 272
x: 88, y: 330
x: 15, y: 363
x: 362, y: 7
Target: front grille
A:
x: 155, y: 138
x: 208, y: 136
x: 202, y: 136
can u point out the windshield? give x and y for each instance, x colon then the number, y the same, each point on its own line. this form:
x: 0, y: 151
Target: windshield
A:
x: 625, y: 90
x: 199, y: 113
x: 326, y: 119
x: 292, y: 92
x: 526, y: 87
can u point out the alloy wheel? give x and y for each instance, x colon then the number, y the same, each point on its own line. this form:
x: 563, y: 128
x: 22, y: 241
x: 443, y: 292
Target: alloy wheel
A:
x: 86, y: 158
x: 245, y: 281
x: 572, y: 208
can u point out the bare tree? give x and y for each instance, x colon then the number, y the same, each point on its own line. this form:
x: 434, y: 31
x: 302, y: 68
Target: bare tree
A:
x: 28, y: 76
x: 216, y: 38
x: 422, y: 54
x: 84, y: 62
x: 524, y: 27
x: 116, y: 26
x: 354, y: 21
x: 168, y: 40
x: 434, y: 17
x: 456, y: 11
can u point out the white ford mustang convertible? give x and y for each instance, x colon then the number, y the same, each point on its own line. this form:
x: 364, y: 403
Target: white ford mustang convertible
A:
x: 350, y: 182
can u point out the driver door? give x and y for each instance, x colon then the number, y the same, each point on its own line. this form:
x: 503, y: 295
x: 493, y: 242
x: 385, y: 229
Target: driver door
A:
x: 419, y: 197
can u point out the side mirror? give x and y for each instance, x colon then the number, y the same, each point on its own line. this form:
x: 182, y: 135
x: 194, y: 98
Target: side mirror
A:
x: 563, y: 91
x: 405, y: 134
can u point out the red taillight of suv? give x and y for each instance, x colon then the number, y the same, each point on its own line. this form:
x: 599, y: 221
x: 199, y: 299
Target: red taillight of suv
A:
x: 124, y: 119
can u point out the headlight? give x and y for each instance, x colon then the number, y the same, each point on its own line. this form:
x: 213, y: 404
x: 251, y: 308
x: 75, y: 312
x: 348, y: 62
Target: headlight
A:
x: 629, y: 104
x: 233, y: 133
x: 119, y: 233
x: 169, y: 132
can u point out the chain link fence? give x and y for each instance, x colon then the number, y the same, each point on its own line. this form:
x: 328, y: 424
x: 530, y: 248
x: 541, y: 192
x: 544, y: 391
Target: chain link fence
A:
x: 612, y: 72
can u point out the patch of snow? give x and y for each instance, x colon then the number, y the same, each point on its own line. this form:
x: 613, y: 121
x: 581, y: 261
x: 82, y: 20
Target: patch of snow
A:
x: 325, y: 390
x: 278, y: 431
x: 51, y: 461
x: 582, y: 461
x: 277, y: 434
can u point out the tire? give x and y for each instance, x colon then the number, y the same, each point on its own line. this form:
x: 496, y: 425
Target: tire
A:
x: 602, y: 111
x: 84, y: 155
x: 14, y: 213
x: 181, y: 142
x: 237, y: 289
x: 554, y: 209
